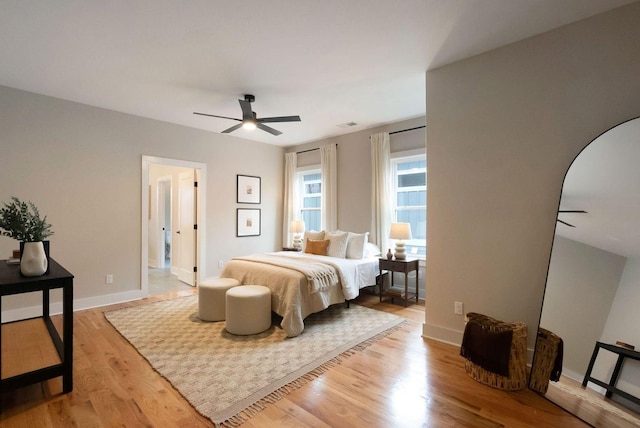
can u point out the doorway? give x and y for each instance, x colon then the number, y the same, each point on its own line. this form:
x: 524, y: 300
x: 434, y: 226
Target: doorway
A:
x: 165, y: 204
x: 173, y: 222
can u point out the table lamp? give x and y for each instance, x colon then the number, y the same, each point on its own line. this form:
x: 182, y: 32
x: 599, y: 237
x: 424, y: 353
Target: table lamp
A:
x: 400, y: 231
x: 297, y: 227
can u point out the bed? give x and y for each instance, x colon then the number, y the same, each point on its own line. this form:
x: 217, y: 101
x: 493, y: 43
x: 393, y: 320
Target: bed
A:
x: 302, y: 283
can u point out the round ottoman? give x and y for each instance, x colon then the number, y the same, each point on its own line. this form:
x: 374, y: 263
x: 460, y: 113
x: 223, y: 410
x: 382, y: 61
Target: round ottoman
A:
x: 248, y: 310
x: 211, y: 298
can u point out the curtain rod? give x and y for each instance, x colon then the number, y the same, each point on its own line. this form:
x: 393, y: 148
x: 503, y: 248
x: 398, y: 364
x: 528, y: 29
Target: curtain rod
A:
x: 405, y: 130
x: 312, y: 150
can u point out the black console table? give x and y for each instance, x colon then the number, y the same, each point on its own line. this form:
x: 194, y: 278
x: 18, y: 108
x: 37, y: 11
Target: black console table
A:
x: 611, y: 386
x: 12, y: 282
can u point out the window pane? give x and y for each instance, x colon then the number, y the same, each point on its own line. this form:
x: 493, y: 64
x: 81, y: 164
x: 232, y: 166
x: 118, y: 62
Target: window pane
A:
x: 310, y: 198
x: 311, y: 219
x: 414, y: 179
x: 312, y: 202
x: 310, y: 188
x: 417, y: 164
x: 412, y: 199
x: 312, y: 177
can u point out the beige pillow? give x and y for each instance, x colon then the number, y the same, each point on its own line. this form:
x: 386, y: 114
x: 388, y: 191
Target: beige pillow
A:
x: 318, y: 247
x: 311, y: 234
x: 338, y: 244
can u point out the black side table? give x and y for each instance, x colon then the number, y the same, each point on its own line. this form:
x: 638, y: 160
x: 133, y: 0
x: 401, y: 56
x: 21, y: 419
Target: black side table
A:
x: 12, y: 282
x: 611, y: 386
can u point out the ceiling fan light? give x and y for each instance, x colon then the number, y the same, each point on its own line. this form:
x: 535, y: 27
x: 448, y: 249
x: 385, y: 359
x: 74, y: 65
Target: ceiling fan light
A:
x: 249, y: 125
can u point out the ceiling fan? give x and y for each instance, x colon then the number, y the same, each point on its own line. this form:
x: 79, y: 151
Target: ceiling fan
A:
x: 569, y: 211
x: 250, y: 120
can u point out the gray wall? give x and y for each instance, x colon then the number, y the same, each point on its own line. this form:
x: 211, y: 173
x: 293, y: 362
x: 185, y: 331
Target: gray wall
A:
x: 82, y: 166
x: 503, y: 128
x: 582, y: 284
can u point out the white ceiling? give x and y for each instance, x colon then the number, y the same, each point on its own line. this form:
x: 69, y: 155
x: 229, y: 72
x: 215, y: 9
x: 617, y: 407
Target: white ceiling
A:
x: 329, y: 61
x: 604, y: 181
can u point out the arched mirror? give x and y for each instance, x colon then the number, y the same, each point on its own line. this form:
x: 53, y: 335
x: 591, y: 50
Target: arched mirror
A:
x: 593, y: 285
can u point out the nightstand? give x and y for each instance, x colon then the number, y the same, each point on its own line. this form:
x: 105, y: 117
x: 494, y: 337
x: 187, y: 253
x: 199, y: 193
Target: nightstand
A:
x: 404, y: 266
x: 291, y: 249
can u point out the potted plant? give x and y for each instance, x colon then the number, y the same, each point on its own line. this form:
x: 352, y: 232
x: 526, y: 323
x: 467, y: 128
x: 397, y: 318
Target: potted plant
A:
x: 21, y: 221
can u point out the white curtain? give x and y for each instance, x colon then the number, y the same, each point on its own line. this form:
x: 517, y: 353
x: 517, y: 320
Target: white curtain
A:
x: 381, y: 204
x: 290, y: 196
x: 329, y: 166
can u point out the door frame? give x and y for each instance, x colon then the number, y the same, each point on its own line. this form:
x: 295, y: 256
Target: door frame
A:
x: 201, y: 176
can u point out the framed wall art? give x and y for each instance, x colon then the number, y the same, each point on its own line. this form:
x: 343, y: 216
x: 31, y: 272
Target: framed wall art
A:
x: 248, y: 222
x: 248, y: 189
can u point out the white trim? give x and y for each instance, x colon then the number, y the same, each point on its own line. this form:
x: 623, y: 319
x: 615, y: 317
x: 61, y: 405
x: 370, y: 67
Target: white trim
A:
x: 202, y: 203
x: 442, y: 334
x: 55, y: 308
x: 454, y: 337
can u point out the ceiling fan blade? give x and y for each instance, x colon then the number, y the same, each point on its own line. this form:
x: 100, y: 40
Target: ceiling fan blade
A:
x: 564, y: 222
x: 246, y: 109
x: 268, y: 129
x: 233, y: 128
x: 214, y: 115
x: 279, y: 119
x: 573, y: 211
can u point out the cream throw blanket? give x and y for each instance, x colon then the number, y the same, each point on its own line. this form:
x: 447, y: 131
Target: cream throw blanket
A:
x: 320, y: 276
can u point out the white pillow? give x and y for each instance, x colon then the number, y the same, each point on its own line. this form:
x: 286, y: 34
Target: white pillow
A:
x: 311, y: 234
x: 371, y: 250
x: 337, y: 244
x: 355, y: 245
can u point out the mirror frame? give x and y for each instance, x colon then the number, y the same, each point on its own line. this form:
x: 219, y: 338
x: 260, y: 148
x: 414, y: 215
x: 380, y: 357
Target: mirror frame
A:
x: 529, y: 383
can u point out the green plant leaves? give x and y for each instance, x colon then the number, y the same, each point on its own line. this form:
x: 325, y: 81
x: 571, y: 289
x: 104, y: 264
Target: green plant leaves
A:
x: 21, y: 221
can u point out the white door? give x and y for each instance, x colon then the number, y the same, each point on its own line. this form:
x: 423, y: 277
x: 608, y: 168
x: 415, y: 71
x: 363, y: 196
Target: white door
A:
x: 185, y: 235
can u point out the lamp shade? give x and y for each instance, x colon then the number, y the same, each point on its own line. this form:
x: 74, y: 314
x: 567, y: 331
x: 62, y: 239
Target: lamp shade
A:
x: 296, y: 226
x: 400, y: 231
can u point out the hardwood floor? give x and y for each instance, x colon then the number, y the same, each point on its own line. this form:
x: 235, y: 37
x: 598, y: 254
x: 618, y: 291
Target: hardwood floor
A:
x: 402, y: 380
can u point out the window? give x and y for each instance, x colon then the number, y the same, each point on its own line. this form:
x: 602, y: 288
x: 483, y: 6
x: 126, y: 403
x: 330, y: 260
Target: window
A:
x: 410, y: 198
x: 310, y: 191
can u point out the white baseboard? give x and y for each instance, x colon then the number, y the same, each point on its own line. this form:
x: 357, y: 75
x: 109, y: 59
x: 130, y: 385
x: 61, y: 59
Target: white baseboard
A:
x: 78, y: 305
x: 454, y: 337
x: 442, y: 334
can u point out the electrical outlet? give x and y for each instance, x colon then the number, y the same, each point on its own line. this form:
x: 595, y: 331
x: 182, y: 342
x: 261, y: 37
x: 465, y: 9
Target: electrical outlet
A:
x: 108, y: 279
x: 220, y: 263
x: 458, y: 308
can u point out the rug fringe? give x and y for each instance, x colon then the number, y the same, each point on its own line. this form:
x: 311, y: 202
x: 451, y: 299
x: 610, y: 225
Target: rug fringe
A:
x: 280, y: 393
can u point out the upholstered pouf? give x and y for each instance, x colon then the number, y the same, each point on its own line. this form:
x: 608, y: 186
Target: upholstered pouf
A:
x: 248, y: 309
x: 212, y: 298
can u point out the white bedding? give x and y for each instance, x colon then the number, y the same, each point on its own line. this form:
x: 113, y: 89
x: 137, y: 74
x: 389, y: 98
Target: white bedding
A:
x: 292, y: 297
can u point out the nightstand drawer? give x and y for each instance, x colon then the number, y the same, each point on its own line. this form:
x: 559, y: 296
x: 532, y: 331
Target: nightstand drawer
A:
x: 398, y: 265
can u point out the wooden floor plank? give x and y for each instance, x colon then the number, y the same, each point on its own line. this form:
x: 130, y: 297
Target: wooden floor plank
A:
x: 403, y: 380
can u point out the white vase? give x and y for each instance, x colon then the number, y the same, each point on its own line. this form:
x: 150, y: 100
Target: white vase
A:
x: 34, y: 259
